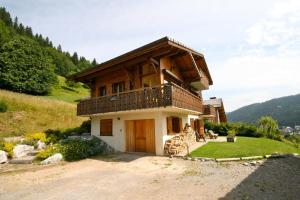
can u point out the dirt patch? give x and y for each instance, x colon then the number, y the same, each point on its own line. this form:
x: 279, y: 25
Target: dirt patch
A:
x: 130, y: 176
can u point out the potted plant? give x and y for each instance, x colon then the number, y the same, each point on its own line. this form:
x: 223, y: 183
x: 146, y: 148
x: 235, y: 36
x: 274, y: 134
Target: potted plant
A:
x: 231, y: 136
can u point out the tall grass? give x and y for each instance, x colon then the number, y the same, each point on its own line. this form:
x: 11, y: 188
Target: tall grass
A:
x: 28, y: 113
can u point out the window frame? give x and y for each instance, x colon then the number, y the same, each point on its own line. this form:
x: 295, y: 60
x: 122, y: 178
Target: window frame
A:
x: 100, y: 90
x: 102, y: 124
x: 118, y: 85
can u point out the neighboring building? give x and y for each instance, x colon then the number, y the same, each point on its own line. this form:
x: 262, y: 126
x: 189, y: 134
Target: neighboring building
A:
x: 214, y: 110
x: 287, y: 130
x: 297, y: 129
x: 146, y: 96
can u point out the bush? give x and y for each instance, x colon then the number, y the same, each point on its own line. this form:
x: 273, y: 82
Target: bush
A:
x: 246, y: 130
x: 3, y: 106
x: 54, y: 136
x: 76, y: 149
x: 49, y: 151
x: 221, y: 129
x: 35, y: 137
x: 85, y: 127
x: 8, y: 147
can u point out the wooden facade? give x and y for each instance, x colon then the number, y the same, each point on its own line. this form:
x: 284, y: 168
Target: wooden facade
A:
x: 162, y: 73
x: 214, y: 110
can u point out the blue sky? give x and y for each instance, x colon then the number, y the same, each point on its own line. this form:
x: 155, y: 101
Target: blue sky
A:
x: 252, y: 48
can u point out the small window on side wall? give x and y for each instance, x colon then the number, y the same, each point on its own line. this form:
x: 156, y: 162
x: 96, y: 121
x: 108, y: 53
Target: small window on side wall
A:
x: 174, y: 125
x: 106, y: 127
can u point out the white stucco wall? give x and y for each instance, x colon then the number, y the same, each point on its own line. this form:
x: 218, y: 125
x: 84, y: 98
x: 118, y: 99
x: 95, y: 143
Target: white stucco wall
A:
x: 118, y: 140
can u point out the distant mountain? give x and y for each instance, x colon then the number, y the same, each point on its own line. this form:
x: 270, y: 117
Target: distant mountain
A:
x: 286, y: 110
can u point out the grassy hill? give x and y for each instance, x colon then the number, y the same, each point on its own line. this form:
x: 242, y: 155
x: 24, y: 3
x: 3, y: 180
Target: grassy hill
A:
x: 286, y: 110
x: 28, y: 113
x: 63, y: 92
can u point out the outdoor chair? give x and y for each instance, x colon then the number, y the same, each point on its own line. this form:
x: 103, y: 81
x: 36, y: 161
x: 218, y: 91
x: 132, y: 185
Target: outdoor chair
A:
x: 200, y: 136
x: 212, y: 135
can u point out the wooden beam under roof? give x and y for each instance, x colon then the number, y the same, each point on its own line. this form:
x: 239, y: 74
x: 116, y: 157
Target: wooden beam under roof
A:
x: 195, y: 64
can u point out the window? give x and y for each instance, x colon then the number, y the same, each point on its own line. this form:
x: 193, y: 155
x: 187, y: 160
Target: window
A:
x: 174, y: 125
x: 106, y: 127
x: 118, y: 87
x: 102, y: 91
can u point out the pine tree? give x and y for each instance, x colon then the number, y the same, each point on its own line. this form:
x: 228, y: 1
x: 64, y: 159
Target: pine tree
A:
x: 28, y: 31
x: 21, y: 29
x: 16, y: 23
x: 59, y: 48
x: 75, y: 58
x: 94, y: 63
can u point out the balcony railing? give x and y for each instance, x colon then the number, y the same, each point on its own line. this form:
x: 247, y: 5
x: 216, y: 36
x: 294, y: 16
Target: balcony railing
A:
x: 155, y: 97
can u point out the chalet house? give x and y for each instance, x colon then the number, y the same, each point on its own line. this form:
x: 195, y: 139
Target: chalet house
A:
x: 214, y: 110
x: 146, y: 96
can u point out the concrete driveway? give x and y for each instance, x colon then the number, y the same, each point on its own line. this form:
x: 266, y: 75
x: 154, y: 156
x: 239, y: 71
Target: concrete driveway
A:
x: 130, y: 176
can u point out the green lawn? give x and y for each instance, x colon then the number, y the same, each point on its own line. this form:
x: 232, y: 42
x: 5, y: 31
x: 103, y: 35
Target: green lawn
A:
x: 68, y: 94
x: 244, y: 146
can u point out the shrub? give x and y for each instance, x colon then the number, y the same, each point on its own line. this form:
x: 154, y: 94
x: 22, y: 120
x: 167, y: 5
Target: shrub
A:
x: 220, y: 129
x: 49, y: 151
x: 76, y: 149
x: 34, y: 137
x: 85, y: 127
x: 54, y: 136
x: 8, y: 147
x: 3, y: 106
x: 247, y: 130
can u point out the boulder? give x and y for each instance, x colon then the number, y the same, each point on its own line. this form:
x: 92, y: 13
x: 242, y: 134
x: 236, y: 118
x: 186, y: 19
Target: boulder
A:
x: 41, y: 145
x: 3, y: 157
x: 21, y: 150
x: 53, y: 159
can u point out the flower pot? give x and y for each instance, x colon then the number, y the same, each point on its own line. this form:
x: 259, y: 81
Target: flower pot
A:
x: 231, y: 138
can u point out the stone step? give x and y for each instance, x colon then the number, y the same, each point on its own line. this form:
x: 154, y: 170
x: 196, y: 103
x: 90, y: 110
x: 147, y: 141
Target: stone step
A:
x: 22, y: 160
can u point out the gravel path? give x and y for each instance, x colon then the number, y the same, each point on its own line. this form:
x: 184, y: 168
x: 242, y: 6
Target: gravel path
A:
x: 129, y: 176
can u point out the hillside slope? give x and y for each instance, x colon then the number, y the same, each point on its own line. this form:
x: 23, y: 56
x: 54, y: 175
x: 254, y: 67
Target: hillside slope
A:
x: 286, y: 110
x: 28, y: 113
x: 61, y: 91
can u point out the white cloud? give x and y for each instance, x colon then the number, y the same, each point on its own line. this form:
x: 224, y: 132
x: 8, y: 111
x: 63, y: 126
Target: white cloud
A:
x: 267, y: 65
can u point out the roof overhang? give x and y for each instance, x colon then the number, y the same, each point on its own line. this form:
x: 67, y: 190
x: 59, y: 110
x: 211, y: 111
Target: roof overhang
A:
x: 159, y: 48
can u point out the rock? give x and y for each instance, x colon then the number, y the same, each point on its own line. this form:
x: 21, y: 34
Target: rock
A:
x: 3, y: 157
x: 41, y: 145
x: 189, y: 158
x: 22, y: 160
x: 194, y: 159
x: 259, y: 162
x: 21, y: 150
x: 53, y: 159
x: 253, y: 163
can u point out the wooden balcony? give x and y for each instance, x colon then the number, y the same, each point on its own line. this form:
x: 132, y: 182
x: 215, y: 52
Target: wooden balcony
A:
x: 160, y: 96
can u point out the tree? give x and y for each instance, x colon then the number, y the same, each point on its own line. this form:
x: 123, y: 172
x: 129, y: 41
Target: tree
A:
x: 268, y: 126
x: 16, y: 23
x: 75, y: 58
x: 5, y: 17
x: 94, y: 62
x: 25, y: 67
x: 59, y: 48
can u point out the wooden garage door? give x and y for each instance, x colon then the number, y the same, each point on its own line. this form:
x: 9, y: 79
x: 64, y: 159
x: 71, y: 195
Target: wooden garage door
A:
x: 140, y: 135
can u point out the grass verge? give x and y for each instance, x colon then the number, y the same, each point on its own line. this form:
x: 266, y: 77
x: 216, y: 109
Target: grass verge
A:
x: 244, y: 146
